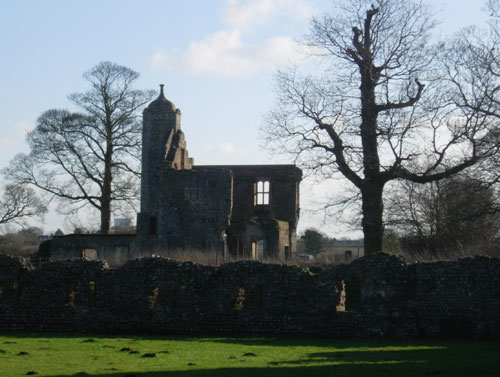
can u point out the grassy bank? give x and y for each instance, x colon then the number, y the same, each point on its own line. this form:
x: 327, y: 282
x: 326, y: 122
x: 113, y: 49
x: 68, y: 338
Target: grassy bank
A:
x: 99, y: 356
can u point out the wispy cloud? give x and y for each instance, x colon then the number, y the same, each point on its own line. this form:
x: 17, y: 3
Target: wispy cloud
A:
x: 224, y: 148
x: 224, y: 52
x: 5, y: 140
x: 15, y: 135
x: 247, y: 14
x: 23, y: 127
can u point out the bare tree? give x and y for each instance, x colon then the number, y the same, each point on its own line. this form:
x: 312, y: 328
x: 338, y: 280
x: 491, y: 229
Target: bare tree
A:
x: 448, y: 218
x: 380, y: 110
x: 472, y: 66
x: 90, y: 158
x: 19, y: 203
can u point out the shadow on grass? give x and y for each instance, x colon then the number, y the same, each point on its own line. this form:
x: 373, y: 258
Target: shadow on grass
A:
x: 407, y: 369
x: 281, y: 341
x: 376, y: 357
x: 351, y: 363
x: 342, y: 358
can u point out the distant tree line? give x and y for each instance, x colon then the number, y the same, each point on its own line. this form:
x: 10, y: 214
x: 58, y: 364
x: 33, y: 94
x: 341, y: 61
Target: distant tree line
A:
x: 315, y: 242
x: 21, y: 242
x: 446, y: 219
x: 443, y: 220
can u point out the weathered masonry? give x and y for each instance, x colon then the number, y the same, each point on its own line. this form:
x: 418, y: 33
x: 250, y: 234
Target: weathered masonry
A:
x: 241, y: 211
x: 114, y: 248
x: 265, y: 210
x: 247, y: 211
x: 374, y: 296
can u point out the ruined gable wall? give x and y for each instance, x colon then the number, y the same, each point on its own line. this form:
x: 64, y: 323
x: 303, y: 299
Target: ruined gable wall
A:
x: 392, y: 299
x: 194, y: 208
x: 284, y: 195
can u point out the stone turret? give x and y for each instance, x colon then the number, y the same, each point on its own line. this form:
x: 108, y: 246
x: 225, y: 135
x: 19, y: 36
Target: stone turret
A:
x: 163, y: 148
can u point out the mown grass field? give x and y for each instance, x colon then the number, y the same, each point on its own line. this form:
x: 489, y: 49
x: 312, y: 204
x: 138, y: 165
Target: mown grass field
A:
x: 100, y: 356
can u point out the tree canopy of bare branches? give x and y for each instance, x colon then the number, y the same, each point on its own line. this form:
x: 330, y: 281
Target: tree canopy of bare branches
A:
x: 380, y: 105
x: 449, y: 218
x: 19, y: 203
x: 89, y: 158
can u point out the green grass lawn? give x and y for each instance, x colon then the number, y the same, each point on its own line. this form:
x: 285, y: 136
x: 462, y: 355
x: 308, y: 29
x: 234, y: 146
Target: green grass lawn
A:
x: 99, y: 356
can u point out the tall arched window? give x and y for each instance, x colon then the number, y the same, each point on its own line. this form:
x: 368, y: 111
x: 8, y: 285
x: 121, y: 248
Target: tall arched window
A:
x: 261, y: 193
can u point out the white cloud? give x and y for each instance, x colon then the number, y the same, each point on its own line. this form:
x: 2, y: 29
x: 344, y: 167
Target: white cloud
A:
x: 224, y: 52
x: 24, y: 127
x: 5, y: 139
x: 245, y: 14
x: 227, y: 148
x: 224, y: 148
x: 15, y: 135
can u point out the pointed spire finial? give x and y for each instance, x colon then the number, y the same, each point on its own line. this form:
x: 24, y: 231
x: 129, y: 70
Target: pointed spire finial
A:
x: 161, y: 89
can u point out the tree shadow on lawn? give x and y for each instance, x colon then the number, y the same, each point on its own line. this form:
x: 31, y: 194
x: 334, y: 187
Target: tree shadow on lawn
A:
x: 287, y: 341
x: 337, y: 345
x: 429, y: 362
x: 275, y: 341
x: 409, y: 369
x: 341, y: 357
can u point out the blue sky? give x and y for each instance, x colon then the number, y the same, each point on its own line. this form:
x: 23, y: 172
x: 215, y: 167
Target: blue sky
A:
x: 216, y: 58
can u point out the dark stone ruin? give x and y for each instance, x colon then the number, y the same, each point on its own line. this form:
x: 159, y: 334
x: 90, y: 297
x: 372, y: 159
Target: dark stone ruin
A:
x: 246, y: 211
x: 238, y: 211
x: 374, y: 296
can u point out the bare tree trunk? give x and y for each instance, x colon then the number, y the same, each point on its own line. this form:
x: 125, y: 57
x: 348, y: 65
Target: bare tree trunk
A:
x: 105, y: 215
x: 106, y: 191
x: 365, y: 120
x: 373, y: 227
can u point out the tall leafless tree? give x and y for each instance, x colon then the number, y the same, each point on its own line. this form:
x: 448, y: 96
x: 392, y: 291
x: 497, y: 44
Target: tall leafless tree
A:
x: 382, y: 108
x: 19, y: 203
x: 90, y: 158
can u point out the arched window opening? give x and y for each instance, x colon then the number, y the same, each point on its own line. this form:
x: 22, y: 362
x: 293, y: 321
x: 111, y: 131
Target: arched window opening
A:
x: 261, y: 193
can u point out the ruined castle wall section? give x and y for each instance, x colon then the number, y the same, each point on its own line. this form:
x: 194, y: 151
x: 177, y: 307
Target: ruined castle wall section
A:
x: 282, y: 234
x: 284, y: 181
x: 114, y: 248
x: 194, y: 209
x: 265, y: 202
x: 377, y: 296
x: 177, y: 156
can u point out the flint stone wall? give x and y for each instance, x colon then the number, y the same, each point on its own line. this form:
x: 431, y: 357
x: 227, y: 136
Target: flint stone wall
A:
x: 384, y: 297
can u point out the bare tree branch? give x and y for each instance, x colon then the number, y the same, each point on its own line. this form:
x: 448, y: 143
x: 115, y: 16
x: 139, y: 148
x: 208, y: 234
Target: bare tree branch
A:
x: 90, y: 158
x: 390, y: 105
x: 19, y: 203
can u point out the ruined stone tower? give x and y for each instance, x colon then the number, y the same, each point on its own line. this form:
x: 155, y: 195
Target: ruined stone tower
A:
x: 163, y: 146
x: 179, y: 207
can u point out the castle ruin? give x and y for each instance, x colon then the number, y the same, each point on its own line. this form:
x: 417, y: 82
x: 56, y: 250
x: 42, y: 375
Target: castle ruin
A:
x: 240, y: 211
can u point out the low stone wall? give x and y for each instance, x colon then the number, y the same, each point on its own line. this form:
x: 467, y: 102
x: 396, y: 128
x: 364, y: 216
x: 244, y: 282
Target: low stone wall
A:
x: 383, y: 296
x: 114, y: 248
